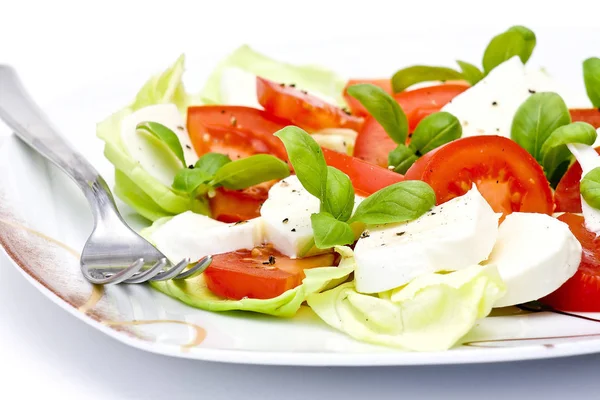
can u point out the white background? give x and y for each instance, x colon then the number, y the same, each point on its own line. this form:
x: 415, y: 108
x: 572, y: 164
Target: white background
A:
x: 60, y: 46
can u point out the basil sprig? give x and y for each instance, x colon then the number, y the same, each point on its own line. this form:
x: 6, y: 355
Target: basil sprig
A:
x: 433, y: 131
x: 542, y: 126
x: 516, y: 41
x: 590, y: 188
x: 591, y: 77
x: 332, y: 225
x: 384, y: 108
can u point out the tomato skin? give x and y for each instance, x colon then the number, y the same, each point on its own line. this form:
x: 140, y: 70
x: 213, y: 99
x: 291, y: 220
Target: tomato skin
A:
x: 567, y: 196
x: 248, y: 273
x: 302, y: 109
x: 366, y: 178
x: 373, y: 144
x: 355, y: 106
x: 589, y: 115
x: 507, y: 176
x: 234, y: 130
x: 238, y: 205
x: 581, y: 293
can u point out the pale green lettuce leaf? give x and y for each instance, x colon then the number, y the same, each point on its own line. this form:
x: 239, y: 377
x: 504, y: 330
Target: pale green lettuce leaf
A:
x: 307, y: 77
x: 433, y: 312
x: 194, y: 292
x: 135, y: 186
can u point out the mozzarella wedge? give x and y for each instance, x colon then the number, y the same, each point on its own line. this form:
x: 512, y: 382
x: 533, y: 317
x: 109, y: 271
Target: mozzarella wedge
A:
x: 452, y: 236
x: 489, y: 106
x: 193, y: 236
x: 588, y: 159
x: 238, y: 88
x: 148, y: 151
x: 341, y: 140
x: 535, y: 254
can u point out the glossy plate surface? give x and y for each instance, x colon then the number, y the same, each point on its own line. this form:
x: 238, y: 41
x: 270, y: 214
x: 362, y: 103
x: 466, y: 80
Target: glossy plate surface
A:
x: 44, y: 221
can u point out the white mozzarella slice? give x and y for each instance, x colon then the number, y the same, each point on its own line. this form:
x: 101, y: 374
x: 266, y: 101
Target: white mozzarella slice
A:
x: 588, y: 159
x: 489, y: 106
x: 341, y: 140
x: 238, y: 88
x: 454, y: 235
x: 193, y: 236
x: 535, y: 254
x: 149, y: 152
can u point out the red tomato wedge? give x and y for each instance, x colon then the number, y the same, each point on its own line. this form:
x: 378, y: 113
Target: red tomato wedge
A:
x: 589, y: 115
x: 238, y: 205
x: 260, y: 273
x: 373, y: 144
x: 507, y: 176
x: 567, y: 196
x: 254, y: 130
x: 581, y: 292
x: 302, y: 109
x: 236, y: 131
x: 355, y: 106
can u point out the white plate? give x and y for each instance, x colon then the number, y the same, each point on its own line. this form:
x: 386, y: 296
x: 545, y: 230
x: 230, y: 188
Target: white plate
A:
x: 44, y: 221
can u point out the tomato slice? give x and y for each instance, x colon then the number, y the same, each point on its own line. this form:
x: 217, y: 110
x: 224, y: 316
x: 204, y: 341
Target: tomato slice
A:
x: 238, y: 205
x: 260, y: 273
x: 589, y: 115
x: 567, y: 196
x: 582, y: 291
x: 355, y: 106
x: 373, y: 144
x: 306, y: 111
x: 236, y: 131
x: 507, y: 176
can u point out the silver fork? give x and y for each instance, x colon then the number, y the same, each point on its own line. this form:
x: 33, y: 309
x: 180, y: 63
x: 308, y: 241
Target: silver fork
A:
x: 113, y: 253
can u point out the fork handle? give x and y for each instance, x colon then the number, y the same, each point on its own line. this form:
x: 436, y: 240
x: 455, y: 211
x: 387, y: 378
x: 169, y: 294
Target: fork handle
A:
x: 30, y: 124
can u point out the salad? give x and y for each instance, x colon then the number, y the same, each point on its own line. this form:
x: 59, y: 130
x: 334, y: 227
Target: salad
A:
x: 401, y: 210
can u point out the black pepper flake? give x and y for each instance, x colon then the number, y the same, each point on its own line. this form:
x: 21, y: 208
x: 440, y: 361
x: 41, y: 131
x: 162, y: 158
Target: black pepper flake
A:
x: 191, y: 166
x: 418, y: 153
x: 292, y: 85
x: 293, y: 229
x: 382, y: 244
x: 271, y: 261
x: 497, y: 129
x: 400, y: 233
x: 294, y: 190
x: 233, y: 121
x: 346, y: 111
x: 181, y: 128
x: 431, y: 170
x: 410, y: 135
x: 304, y: 92
x: 282, y: 84
x: 222, y: 111
x: 432, y: 213
x: 240, y: 222
x: 285, y: 220
x: 365, y: 234
x: 531, y: 91
x: 494, y: 103
x: 187, y: 146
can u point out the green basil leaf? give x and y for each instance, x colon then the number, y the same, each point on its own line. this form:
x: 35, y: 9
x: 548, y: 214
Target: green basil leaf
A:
x: 187, y: 180
x: 401, y: 158
x: 554, y: 150
x: 530, y: 41
x: 164, y: 135
x: 502, y: 48
x: 470, y: 72
x: 211, y: 162
x: 383, y: 108
x: 590, y: 188
x: 433, y: 131
x: 536, y: 119
x: 306, y: 157
x: 250, y: 171
x: 330, y: 232
x: 422, y: 73
x: 403, y: 201
x: 591, y: 77
x: 339, y: 195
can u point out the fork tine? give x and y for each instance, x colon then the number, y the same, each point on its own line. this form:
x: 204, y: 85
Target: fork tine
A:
x: 149, y: 273
x: 196, y: 270
x: 118, y: 277
x: 173, y: 272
